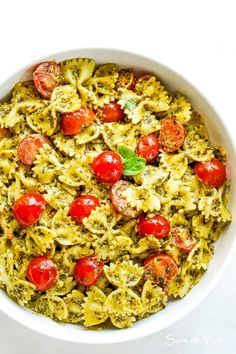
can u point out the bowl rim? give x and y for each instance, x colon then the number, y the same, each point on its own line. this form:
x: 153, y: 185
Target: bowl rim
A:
x: 123, y: 336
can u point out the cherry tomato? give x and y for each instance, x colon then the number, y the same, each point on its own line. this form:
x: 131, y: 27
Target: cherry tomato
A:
x: 42, y: 272
x: 172, y: 135
x: 160, y: 268
x: 82, y: 207
x: 211, y: 172
x: 182, y: 239
x: 88, y: 270
x: 111, y: 112
x: 3, y: 133
x: 29, y: 147
x: 108, y: 167
x: 119, y: 202
x: 126, y: 79
x: 157, y: 226
x: 47, y: 76
x: 28, y: 208
x: 148, y: 147
x: 73, y: 123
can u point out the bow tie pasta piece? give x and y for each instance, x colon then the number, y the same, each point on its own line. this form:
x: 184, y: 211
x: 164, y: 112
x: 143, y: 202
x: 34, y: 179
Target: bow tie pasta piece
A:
x: 149, y: 95
x: 74, y: 302
x: 20, y: 290
x: 192, y: 269
x: 47, y: 165
x: 64, y: 99
x: 197, y: 148
x: 212, y: 204
x: 123, y: 273
x: 122, y: 305
x: 179, y: 196
x: 104, y: 79
x: 52, y: 306
x: 88, y: 134
x: 151, y: 176
x: 68, y: 232
x: 153, y: 299
x: 142, y: 198
x: 24, y: 91
x: 28, y: 182
x: 180, y: 108
x: 119, y: 246
x: 8, y: 159
x: 59, y: 195
x: 208, y: 230
x: 101, y: 219
x: 42, y: 237
x: 175, y: 164
x: 76, y: 174
x: 64, y: 285
x: 43, y: 120
x: 77, y: 72
x: 115, y: 134
x: 94, y: 307
x: 148, y: 124
x: 72, y: 254
x: 146, y: 247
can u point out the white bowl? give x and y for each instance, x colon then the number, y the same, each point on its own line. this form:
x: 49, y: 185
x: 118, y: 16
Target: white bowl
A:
x: 219, y: 133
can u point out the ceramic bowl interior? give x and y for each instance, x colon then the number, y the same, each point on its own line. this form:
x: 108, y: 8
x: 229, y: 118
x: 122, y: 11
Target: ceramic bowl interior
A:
x: 219, y: 133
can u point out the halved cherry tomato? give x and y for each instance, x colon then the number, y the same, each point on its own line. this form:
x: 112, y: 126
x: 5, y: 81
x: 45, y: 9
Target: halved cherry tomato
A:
x: 172, y: 135
x: 28, y: 208
x: 42, y: 272
x: 148, y: 147
x: 157, y: 226
x: 88, y: 270
x: 73, y: 123
x: 111, y: 112
x: 47, y: 76
x: 211, y: 172
x: 160, y: 268
x: 119, y: 202
x: 82, y: 207
x: 29, y: 147
x: 182, y: 239
x: 126, y: 79
x: 3, y: 133
x: 108, y: 167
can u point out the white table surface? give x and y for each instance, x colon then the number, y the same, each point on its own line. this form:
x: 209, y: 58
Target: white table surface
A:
x: 197, y: 39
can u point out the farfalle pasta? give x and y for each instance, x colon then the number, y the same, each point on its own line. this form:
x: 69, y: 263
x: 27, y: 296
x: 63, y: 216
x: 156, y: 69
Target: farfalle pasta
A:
x: 112, y: 195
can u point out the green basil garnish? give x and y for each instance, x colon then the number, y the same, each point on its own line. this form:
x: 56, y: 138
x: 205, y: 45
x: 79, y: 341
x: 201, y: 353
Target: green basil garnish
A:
x: 130, y: 104
x: 133, y: 164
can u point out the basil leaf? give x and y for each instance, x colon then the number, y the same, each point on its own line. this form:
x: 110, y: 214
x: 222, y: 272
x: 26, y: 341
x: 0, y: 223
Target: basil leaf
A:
x: 130, y: 104
x: 125, y: 152
x: 133, y: 164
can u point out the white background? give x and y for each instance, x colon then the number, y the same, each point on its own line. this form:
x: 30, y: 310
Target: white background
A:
x: 197, y: 39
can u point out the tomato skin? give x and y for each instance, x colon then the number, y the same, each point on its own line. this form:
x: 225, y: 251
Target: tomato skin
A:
x: 28, y: 208
x: 160, y: 268
x: 126, y: 79
x: 3, y: 133
x: 157, y: 226
x: 148, y: 147
x: 88, y: 270
x: 182, y: 239
x: 172, y: 135
x: 111, y: 112
x: 212, y: 173
x: 82, y: 207
x: 42, y: 272
x: 119, y: 203
x: 108, y: 167
x: 47, y: 76
x: 29, y: 147
x: 74, y: 122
